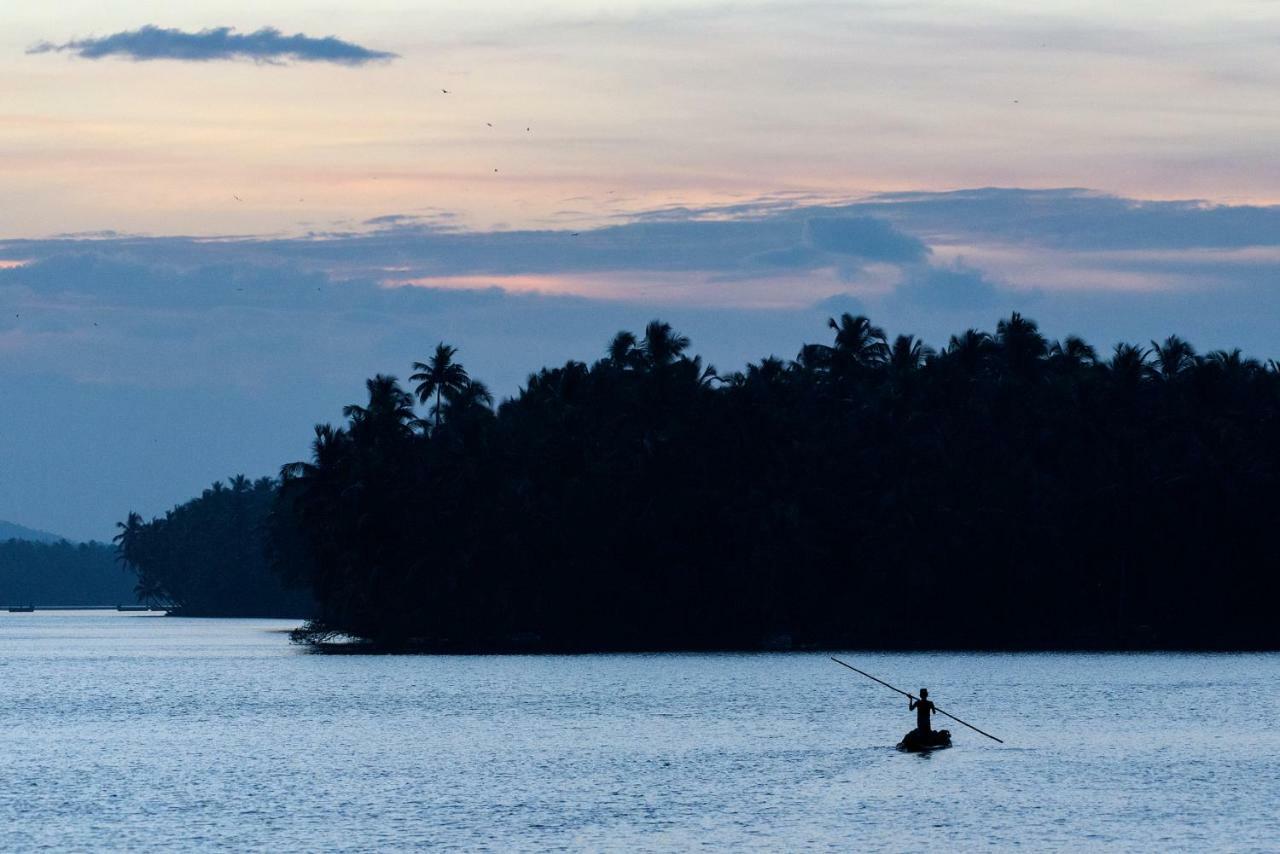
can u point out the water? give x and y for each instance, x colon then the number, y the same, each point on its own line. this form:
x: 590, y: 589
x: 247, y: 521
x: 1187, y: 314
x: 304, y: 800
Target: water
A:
x: 148, y: 733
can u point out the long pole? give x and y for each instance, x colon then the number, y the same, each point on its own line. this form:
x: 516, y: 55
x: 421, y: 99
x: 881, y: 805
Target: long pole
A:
x: 913, y: 696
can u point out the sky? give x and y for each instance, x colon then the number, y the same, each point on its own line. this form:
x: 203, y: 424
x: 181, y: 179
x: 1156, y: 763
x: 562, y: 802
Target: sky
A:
x: 216, y: 221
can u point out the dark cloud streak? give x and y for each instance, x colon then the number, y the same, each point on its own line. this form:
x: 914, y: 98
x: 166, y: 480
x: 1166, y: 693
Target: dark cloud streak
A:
x: 267, y: 45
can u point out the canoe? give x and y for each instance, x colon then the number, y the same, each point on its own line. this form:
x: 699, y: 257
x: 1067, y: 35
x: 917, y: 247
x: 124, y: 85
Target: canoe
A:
x: 913, y: 742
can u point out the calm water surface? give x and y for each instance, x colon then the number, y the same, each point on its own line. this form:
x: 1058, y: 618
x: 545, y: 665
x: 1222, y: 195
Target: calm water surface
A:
x: 144, y: 733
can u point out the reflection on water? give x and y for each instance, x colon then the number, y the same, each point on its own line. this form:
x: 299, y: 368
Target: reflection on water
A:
x: 144, y: 733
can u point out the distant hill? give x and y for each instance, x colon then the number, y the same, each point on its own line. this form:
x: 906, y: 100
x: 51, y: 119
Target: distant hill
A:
x: 14, y: 531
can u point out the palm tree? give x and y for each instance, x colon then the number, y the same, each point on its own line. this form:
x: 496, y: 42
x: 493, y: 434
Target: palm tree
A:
x: 1232, y: 361
x: 439, y: 375
x: 555, y: 384
x: 1073, y: 352
x: 389, y: 412
x: 771, y: 369
x: 622, y: 349
x: 908, y: 354
x: 1230, y: 368
x: 969, y: 350
x: 1021, y: 343
x: 1173, y: 358
x: 661, y: 345
x: 327, y: 448
x: 1070, y: 361
x: 130, y: 554
x: 693, y: 370
x: 150, y: 591
x: 128, y: 539
x: 472, y: 398
x: 813, y: 359
x: 1128, y: 366
x: 858, y: 342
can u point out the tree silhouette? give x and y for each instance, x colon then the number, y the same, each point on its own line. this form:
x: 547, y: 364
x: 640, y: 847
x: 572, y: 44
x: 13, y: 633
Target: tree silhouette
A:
x: 1006, y: 492
x: 207, y: 557
x: 622, y: 350
x: 61, y: 573
x: 661, y: 346
x: 1021, y: 345
x: 1173, y: 358
x: 438, y: 376
x: 1128, y: 366
x: 858, y: 343
x: 908, y: 355
x: 1072, y: 355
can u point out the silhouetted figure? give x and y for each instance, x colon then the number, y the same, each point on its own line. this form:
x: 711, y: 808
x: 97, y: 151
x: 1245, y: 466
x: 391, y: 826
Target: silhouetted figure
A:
x: 923, y: 708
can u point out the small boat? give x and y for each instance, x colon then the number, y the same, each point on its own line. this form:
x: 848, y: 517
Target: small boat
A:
x: 133, y: 607
x: 22, y: 609
x: 914, y: 742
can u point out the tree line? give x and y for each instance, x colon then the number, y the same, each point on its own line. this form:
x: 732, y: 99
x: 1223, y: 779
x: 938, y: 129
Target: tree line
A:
x: 61, y: 573
x: 207, y: 558
x: 1007, y: 491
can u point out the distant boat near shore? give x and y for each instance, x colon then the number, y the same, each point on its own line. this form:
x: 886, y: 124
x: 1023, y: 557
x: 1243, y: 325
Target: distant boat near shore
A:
x: 21, y: 609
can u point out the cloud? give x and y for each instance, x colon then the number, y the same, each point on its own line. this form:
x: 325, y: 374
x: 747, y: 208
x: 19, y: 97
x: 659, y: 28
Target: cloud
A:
x: 1075, y: 219
x: 266, y: 45
x: 194, y: 358
x: 790, y: 258
x: 948, y: 287
x: 866, y: 237
x: 1063, y: 218
x: 1048, y: 239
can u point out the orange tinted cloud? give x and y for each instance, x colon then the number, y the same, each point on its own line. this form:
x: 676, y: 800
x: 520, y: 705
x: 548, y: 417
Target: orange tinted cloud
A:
x: 688, y: 288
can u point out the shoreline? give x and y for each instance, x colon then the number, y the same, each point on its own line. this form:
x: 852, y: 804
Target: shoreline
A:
x: 370, y: 648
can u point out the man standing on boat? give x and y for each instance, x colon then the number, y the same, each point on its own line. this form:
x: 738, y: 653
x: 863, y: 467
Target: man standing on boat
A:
x: 923, y: 708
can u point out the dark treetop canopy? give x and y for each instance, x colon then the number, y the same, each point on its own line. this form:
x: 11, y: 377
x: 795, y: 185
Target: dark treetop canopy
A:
x: 1006, y: 492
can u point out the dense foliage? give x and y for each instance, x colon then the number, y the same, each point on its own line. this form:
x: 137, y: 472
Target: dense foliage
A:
x: 1006, y: 492
x: 62, y: 573
x: 206, y: 557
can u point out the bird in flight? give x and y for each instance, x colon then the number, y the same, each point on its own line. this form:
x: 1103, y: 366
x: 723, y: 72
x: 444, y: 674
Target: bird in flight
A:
x: 490, y: 124
x: 445, y: 91
x: 237, y: 198
x: 575, y: 234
